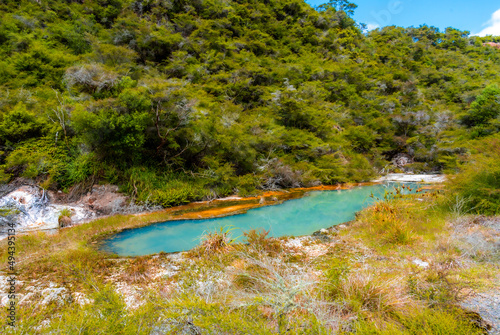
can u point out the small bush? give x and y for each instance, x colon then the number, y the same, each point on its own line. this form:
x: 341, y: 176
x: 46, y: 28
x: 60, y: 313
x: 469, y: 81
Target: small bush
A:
x: 137, y: 270
x: 336, y: 274
x: 259, y: 240
x: 390, y: 224
x: 37, y: 158
x: 438, y: 285
x: 247, y: 185
x: 216, y: 242
x: 150, y: 187
x: 90, y: 78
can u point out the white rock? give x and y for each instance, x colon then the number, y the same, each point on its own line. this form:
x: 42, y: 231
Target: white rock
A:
x: 415, y: 178
x: 37, y: 213
x: 81, y: 298
x: 421, y: 263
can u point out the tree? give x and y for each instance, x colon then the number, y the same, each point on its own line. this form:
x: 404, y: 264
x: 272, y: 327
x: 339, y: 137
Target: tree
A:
x: 339, y: 5
x: 485, y: 108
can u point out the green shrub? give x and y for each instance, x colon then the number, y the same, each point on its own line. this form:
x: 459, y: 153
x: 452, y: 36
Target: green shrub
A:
x: 38, y: 158
x: 260, y: 241
x: 247, y: 185
x: 165, y: 189
x: 111, y: 134
x: 359, y: 169
x: 478, y: 185
x: 19, y: 124
x: 338, y: 271
x: 485, y: 108
x: 424, y: 322
x: 81, y: 168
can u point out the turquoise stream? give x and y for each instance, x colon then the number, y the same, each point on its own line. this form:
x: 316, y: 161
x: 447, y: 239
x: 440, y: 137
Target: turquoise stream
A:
x: 303, y: 216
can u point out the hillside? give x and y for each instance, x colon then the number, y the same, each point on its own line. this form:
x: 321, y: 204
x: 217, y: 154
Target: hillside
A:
x: 178, y: 101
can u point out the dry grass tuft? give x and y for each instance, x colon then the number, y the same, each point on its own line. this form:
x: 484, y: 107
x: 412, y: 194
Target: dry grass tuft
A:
x: 363, y: 292
x: 260, y: 242
x: 216, y: 242
x: 137, y: 270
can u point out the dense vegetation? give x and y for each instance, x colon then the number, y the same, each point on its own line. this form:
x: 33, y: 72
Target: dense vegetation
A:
x: 181, y: 100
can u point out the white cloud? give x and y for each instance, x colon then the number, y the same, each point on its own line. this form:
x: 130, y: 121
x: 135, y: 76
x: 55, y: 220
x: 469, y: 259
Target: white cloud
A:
x: 371, y: 26
x: 493, y: 26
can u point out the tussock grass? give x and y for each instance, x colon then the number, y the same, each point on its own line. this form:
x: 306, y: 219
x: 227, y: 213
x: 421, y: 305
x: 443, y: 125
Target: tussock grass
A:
x: 214, y: 242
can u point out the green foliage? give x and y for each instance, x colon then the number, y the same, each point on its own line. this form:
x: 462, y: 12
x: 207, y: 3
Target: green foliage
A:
x: 359, y: 169
x: 106, y: 314
x: 65, y: 212
x: 478, y: 185
x: 163, y: 189
x: 191, y: 312
x: 81, y: 168
x: 37, y: 158
x: 483, y: 110
x: 247, y: 185
x: 18, y: 124
x: 335, y: 275
x: 428, y: 321
x: 111, y: 134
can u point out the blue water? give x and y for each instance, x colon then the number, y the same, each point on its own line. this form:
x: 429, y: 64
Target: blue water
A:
x: 316, y: 210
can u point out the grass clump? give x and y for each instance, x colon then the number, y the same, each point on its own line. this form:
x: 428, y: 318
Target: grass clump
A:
x: 65, y: 212
x: 365, y: 294
x: 215, y: 242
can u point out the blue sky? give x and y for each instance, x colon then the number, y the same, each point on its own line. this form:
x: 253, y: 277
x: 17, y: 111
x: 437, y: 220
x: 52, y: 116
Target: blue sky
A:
x: 479, y: 17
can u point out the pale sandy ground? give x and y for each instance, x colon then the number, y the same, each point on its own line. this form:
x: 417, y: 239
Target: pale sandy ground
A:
x: 417, y: 178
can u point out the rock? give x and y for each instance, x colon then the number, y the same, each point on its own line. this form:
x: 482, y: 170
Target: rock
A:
x: 492, y: 44
x: 421, y: 263
x: 402, y: 159
x: 478, y: 321
x: 105, y: 200
x: 34, y: 210
x: 321, y: 235
x: 262, y: 200
x: 342, y: 226
x: 64, y: 221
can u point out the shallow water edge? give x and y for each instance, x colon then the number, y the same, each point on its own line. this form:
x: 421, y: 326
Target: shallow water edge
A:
x: 298, y: 216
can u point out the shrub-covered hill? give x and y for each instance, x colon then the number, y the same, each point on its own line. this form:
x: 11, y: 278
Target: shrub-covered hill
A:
x: 181, y: 100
